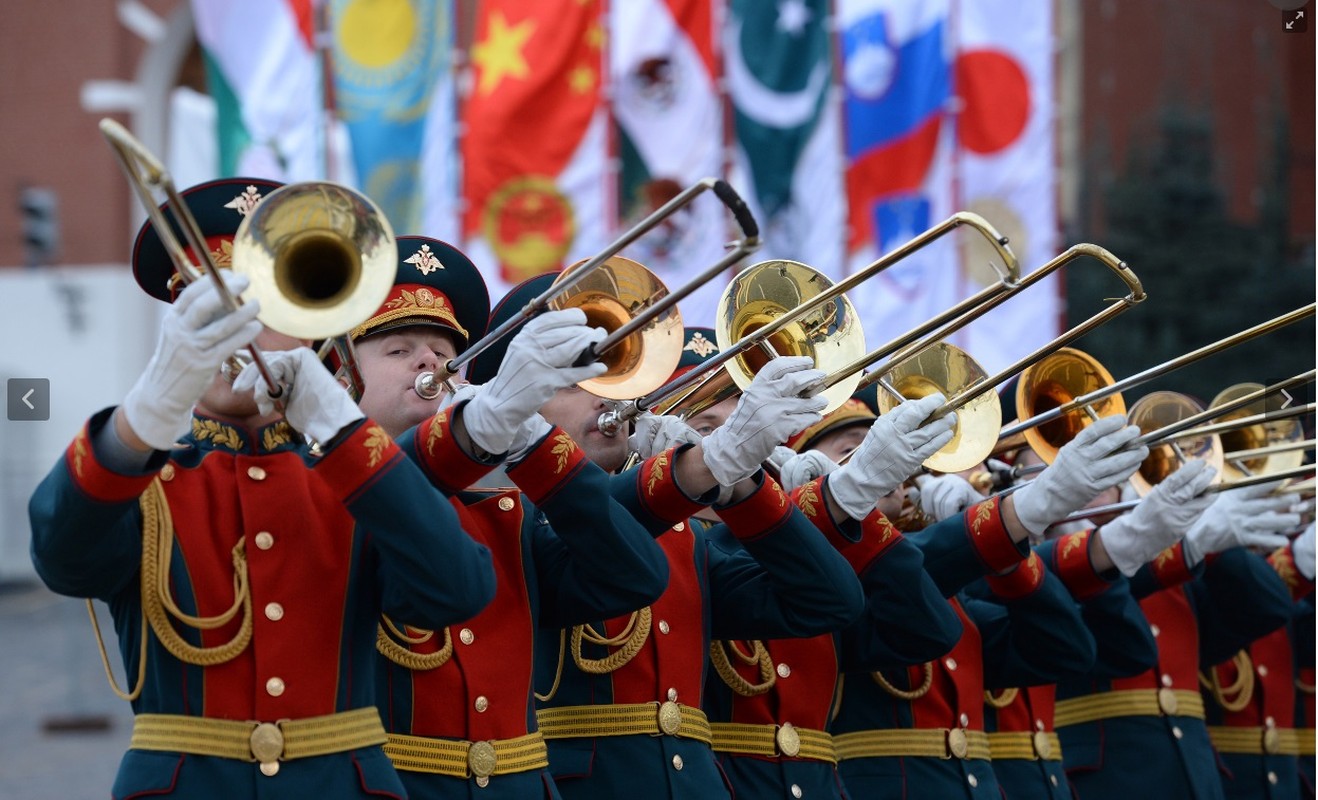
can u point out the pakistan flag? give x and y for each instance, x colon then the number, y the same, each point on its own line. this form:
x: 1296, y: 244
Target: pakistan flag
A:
x: 779, y: 72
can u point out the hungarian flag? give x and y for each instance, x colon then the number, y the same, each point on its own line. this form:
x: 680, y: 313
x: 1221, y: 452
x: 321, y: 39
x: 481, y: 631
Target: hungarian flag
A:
x: 263, y: 72
x: 664, y: 74
x: 534, y: 138
x: 778, y: 62
x: 1006, y: 157
x: 388, y: 57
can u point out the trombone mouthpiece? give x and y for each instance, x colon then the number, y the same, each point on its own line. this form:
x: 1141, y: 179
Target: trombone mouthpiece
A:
x: 609, y: 423
x: 427, y: 386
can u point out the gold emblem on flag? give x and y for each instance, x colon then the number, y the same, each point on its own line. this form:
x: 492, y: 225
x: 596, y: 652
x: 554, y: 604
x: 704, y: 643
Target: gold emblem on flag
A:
x: 530, y: 225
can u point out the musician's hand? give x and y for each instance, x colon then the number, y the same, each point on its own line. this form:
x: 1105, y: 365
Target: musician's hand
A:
x: 893, y: 450
x: 315, y: 404
x: 1091, y: 462
x: 538, y: 363
x: 1160, y: 519
x: 802, y: 468
x: 1248, y: 517
x: 769, y: 411
x: 656, y: 433
x: 196, y: 336
x: 1302, y: 551
x: 943, y: 496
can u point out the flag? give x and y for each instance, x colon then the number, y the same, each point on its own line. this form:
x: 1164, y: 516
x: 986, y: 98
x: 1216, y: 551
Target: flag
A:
x: 664, y: 74
x: 897, y: 83
x: 388, y: 56
x: 778, y: 64
x: 262, y: 70
x: 534, y: 143
x: 1005, y: 142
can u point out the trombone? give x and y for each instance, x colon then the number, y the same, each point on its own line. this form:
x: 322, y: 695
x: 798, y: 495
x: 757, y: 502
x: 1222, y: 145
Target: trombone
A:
x: 320, y: 256
x: 770, y: 325
x: 428, y: 384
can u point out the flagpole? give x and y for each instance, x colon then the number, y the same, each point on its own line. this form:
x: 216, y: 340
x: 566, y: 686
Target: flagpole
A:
x: 324, y: 48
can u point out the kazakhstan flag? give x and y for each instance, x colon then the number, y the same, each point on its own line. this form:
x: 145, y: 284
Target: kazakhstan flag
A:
x: 388, y: 55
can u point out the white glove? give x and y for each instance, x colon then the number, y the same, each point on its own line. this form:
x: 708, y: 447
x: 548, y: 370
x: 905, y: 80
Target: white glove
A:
x: 802, y: 468
x: 315, y: 404
x: 656, y: 433
x: 527, y: 434
x: 780, y: 456
x: 943, y: 496
x: 1246, y: 517
x: 769, y: 411
x: 537, y: 364
x: 196, y: 336
x: 897, y: 444
x: 1302, y: 552
x: 1160, y: 519
x: 1091, y: 462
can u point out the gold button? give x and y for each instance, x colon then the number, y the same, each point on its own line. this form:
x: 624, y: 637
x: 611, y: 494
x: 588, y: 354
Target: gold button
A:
x: 1177, y: 732
x: 1263, y: 670
x: 1155, y: 630
x: 965, y: 720
x: 1166, y: 680
x: 466, y: 636
x: 784, y: 670
x: 274, y: 611
x: 482, y: 781
x: 679, y: 527
x: 167, y: 472
x: 1038, y: 724
x: 1167, y: 701
x: 274, y: 687
x: 1042, y: 747
x: 796, y: 791
x: 506, y: 504
x: 482, y: 704
x: 270, y: 769
x: 672, y: 695
x: 481, y: 759
x: 950, y: 663
x: 265, y: 540
x: 1053, y: 778
x: 972, y: 780
x: 677, y: 762
x: 1271, y: 741
x: 1269, y: 722
x: 957, y: 744
x: 1272, y: 778
x: 256, y: 473
x: 663, y: 626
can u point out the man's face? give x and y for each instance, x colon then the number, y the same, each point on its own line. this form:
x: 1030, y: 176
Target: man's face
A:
x: 577, y: 411
x: 390, y: 363
x: 838, y: 443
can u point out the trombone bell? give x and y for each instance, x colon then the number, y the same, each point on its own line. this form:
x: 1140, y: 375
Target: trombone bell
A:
x: 320, y: 256
x: 1055, y: 381
x: 1256, y: 437
x: 946, y: 368
x: 1157, y: 411
x: 611, y: 296
x: 763, y: 293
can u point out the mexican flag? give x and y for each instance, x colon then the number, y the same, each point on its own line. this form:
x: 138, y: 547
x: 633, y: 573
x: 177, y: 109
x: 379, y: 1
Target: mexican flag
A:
x: 266, y: 81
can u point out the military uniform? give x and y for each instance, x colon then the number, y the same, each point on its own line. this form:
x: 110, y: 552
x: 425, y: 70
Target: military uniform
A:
x: 261, y: 572
x: 622, y: 698
x: 1027, y: 754
x: 1121, y: 736
x: 769, y: 702
x: 457, y: 702
x: 919, y: 731
x: 1249, y: 701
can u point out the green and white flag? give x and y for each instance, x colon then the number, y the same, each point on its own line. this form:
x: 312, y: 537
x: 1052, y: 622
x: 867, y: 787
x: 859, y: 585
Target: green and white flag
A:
x: 778, y: 66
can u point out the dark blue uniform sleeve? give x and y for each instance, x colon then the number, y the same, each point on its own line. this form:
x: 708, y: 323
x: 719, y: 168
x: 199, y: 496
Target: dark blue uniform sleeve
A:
x: 906, y: 618
x: 961, y: 549
x: 86, y: 522
x: 773, y: 575
x: 1032, y: 639
x: 432, y: 573
x: 593, y: 560
x: 1125, y: 645
x: 1238, y: 598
